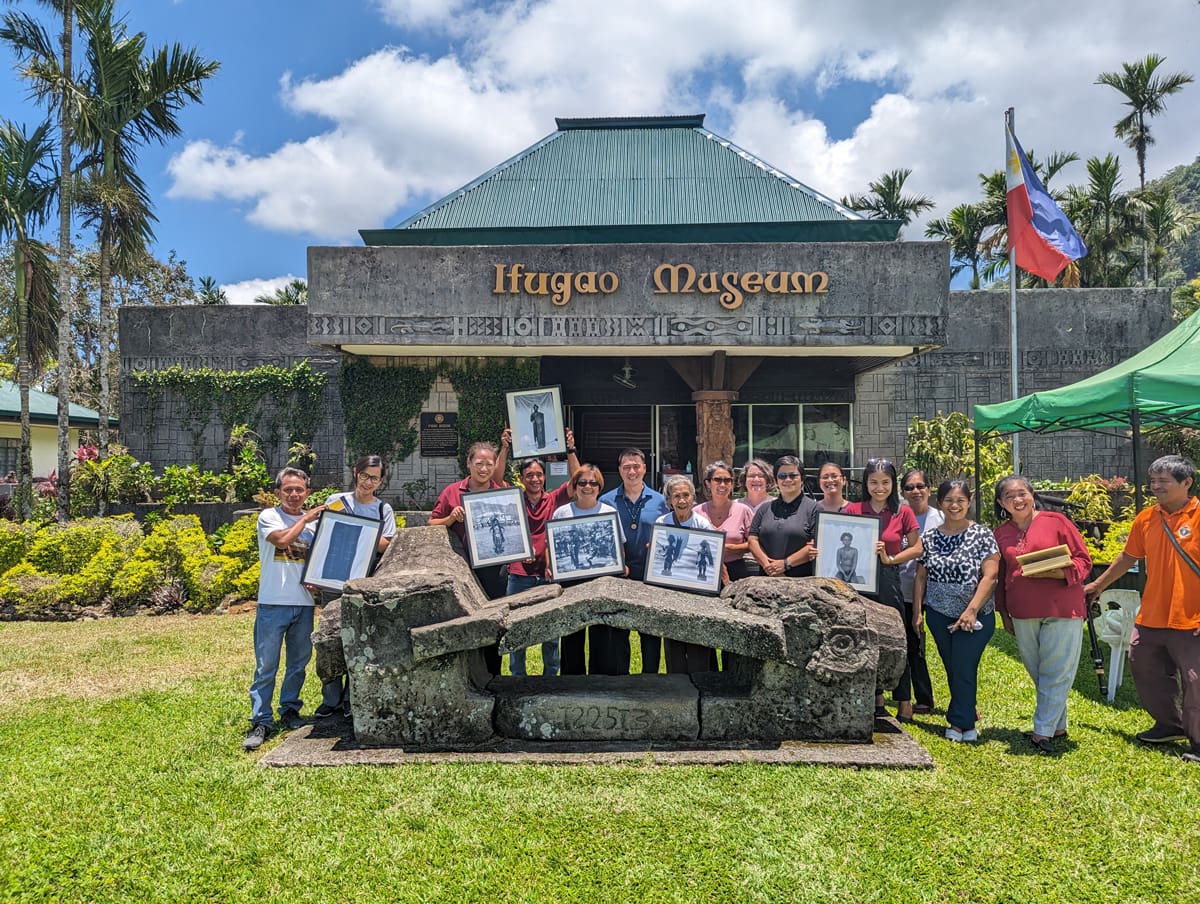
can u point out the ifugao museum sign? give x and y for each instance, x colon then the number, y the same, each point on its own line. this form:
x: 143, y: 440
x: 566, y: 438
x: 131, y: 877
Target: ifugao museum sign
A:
x: 731, y: 287
x: 853, y: 296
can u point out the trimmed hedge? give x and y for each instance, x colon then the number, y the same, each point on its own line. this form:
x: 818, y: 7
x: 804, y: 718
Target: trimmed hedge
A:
x: 110, y: 563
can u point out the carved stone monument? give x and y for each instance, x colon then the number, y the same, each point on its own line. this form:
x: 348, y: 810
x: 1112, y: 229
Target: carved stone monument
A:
x: 803, y: 658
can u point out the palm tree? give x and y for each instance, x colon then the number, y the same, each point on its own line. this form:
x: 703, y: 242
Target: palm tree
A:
x: 1108, y: 221
x: 295, y: 292
x: 1167, y: 223
x: 210, y: 292
x: 128, y: 100
x: 53, y: 82
x: 963, y: 228
x: 885, y: 199
x: 27, y: 193
x: 1146, y: 96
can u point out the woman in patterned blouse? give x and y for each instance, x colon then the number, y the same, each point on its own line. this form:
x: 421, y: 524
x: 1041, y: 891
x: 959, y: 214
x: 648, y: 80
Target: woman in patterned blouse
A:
x: 955, y: 580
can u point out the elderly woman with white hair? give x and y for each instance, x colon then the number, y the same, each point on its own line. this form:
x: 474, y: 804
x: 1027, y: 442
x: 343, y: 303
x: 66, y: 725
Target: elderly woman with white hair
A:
x: 681, y: 657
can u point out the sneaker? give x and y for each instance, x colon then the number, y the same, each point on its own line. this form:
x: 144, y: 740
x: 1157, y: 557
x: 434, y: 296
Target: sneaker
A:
x: 324, y: 711
x: 971, y: 734
x: 1192, y: 756
x: 291, y: 720
x: 255, y: 737
x: 953, y: 734
x: 1161, y: 734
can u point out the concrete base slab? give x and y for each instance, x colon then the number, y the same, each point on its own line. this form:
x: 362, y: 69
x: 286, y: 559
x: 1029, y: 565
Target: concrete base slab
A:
x: 331, y: 743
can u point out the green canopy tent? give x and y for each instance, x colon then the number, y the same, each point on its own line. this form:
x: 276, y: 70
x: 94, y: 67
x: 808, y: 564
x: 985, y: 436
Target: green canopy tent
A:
x: 1159, y: 386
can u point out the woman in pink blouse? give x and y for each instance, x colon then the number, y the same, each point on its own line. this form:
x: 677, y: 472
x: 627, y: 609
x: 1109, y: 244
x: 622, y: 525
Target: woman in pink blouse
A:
x: 1042, y: 611
x: 726, y: 514
x: 897, y: 524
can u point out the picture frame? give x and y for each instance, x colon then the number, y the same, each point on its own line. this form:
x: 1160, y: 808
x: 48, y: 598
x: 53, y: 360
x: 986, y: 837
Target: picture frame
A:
x: 589, y: 546
x: 685, y: 558
x: 536, y: 420
x: 497, y: 527
x: 861, y: 570
x: 343, y: 549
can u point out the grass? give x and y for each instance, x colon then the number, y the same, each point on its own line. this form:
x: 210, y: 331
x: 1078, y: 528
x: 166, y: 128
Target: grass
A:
x: 123, y: 780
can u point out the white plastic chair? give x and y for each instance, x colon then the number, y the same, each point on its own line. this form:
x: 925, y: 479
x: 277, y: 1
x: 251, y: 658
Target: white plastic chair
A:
x: 1116, y: 630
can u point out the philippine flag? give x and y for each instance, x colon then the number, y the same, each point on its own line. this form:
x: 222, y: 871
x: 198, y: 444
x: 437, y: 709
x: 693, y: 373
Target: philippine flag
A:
x: 1041, y: 235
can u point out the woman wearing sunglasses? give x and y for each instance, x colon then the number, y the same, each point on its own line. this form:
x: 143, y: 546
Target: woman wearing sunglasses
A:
x: 916, y: 489
x: 782, y: 533
x: 899, y: 542
x: 585, y: 486
x: 728, y: 515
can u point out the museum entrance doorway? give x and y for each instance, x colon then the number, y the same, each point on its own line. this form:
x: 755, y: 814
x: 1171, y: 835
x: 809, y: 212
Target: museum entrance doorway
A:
x: 666, y: 433
x: 602, y: 431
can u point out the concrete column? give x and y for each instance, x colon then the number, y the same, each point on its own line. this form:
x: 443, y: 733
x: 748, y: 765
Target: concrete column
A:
x: 714, y: 428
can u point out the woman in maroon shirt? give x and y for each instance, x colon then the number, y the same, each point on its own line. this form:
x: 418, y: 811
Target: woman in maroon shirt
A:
x: 1042, y: 611
x: 881, y: 495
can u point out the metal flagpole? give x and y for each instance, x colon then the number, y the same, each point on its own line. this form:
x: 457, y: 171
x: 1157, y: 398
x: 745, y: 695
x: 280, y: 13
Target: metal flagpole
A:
x: 1010, y: 120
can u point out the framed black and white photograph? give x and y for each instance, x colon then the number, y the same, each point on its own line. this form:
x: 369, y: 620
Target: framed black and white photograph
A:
x: 846, y: 550
x: 535, y: 418
x: 343, y: 548
x: 685, y: 558
x: 497, y: 527
x: 585, y: 547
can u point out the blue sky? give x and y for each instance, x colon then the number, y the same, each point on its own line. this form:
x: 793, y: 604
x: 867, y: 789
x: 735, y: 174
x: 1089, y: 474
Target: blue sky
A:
x: 329, y: 117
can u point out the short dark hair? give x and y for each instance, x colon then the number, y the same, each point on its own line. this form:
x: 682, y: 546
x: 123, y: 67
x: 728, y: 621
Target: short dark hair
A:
x: 631, y: 452
x: 784, y: 461
x: 1177, y: 466
x: 526, y: 463
x: 290, y: 472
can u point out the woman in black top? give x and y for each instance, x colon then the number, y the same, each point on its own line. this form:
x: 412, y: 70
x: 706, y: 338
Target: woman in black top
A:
x: 783, y: 530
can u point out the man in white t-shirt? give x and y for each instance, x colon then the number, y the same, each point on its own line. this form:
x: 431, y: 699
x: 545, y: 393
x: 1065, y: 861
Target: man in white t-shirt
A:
x: 284, y: 615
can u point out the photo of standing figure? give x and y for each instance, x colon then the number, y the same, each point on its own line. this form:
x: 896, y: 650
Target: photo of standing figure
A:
x: 536, y: 422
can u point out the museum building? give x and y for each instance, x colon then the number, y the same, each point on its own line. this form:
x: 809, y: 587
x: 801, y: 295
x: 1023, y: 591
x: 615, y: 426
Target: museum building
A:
x: 686, y: 296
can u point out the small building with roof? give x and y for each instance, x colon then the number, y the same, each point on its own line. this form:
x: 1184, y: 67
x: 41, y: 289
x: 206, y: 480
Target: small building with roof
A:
x: 43, y: 428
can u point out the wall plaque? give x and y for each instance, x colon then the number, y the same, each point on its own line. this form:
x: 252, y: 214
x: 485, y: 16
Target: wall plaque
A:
x: 439, y: 434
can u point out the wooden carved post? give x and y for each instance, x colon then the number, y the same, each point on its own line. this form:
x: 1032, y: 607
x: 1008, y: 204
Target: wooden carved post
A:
x: 714, y: 428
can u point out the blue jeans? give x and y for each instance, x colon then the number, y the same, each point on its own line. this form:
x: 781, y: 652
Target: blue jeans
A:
x: 1049, y: 648
x: 289, y: 627
x: 960, y: 652
x: 516, y: 659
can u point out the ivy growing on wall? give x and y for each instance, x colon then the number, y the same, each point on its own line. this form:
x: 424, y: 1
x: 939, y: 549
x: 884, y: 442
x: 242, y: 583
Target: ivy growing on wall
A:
x: 379, y: 405
x: 239, y: 397
x: 480, y: 386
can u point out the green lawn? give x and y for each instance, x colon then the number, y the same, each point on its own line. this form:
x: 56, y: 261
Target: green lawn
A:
x: 124, y: 780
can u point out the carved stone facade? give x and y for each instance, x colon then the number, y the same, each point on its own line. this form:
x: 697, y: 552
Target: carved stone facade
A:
x: 1064, y: 336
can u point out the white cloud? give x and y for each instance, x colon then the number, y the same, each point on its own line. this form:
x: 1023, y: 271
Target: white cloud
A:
x: 405, y: 129
x: 247, y: 290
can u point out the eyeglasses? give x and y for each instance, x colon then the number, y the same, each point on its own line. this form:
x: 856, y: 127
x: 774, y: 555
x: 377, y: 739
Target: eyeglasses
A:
x: 909, y: 487
x: 369, y: 478
x: 587, y: 483
x: 788, y: 475
x: 720, y: 480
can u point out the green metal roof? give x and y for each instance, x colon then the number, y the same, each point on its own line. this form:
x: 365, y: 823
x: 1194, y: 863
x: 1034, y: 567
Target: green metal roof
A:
x: 43, y: 408
x: 633, y: 179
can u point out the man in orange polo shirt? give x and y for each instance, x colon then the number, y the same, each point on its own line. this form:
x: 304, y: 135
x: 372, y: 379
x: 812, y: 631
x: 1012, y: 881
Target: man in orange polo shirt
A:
x: 1165, y: 653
